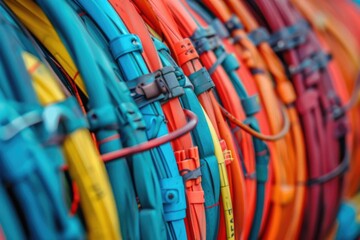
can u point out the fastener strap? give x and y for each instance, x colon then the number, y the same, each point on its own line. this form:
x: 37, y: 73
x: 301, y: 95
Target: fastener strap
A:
x: 185, y: 51
x: 201, y: 81
x: 233, y: 23
x: 192, y: 175
x: 250, y: 105
x: 220, y: 29
x: 313, y: 63
x: 125, y: 44
x: 205, y: 39
x: 56, y: 121
x: 160, y: 85
x: 172, y: 191
x: 289, y: 37
x: 258, y: 36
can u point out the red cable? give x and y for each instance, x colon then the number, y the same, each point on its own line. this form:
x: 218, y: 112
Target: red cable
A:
x: 152, y: 143
x: 76, y: 199
x: 2, y: 235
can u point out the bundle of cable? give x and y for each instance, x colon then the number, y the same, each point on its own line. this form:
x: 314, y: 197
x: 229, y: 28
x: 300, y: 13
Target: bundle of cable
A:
x: 179, y: 119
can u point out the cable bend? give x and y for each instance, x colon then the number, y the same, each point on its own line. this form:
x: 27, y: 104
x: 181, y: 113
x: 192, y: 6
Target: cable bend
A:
x: 285, y: 129
x: 108, y: 157
x: 154, y: 142
x: 354, y: 99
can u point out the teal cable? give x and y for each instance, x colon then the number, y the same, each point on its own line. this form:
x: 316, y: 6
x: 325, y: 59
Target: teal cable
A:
x: 202, y: 138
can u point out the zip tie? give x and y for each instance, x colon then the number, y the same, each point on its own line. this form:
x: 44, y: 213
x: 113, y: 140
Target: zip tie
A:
x: 20, y: 123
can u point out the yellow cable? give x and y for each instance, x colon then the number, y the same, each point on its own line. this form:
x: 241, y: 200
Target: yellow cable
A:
x: 85, y: 165
x: 224, y: 182
x: 32, y: 16
x: 355, y: 201
x: 154, y: 33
